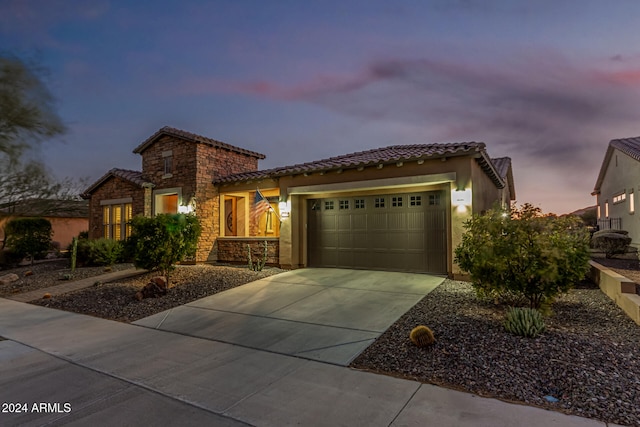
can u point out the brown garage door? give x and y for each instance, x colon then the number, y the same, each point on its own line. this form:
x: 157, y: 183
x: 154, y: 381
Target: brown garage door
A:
x: 399, y: 232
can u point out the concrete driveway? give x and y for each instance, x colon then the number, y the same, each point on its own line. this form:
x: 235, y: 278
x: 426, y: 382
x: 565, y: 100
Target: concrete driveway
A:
x: 329, y: 315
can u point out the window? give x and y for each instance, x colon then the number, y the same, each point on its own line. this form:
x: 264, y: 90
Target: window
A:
x: 344, y: 205
x: 606, y: 209
x: 396, y: 201
x: 434, y: 200
x: 115, y: 220
x: 167, y: 162
x: 328, y: 205
x: 632, y: 203
x: 359, y: 203
x: 619, y: 198
x: 168, y: 165
x: 415, y: 201
x: 378, y: 202
x: 166, y: 203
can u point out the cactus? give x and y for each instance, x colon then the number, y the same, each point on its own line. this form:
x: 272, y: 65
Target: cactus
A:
x: 526, y: 322
x: 422, y: 336
x: 260, y: 263
x: 74, y: 254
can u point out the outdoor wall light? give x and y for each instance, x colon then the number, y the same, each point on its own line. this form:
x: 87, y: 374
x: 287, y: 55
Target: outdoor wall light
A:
x: 285, y: 209
x: 461, y: 199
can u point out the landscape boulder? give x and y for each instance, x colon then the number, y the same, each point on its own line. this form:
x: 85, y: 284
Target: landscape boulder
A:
x: 8, y: 278
x: 156, y: 287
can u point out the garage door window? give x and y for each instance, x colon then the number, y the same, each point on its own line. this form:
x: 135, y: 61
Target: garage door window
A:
x: 415, y: 201
x: 344, y: 205
x: 396, y: 202
x: 379, y: 202
x: 359, y: 204
x: 434, y: 199
x: 328, y: 205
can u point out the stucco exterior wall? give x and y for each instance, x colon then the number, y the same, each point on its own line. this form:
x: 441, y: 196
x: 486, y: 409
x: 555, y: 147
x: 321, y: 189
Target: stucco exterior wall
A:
x: 451, y: 174
x: 622, y: 176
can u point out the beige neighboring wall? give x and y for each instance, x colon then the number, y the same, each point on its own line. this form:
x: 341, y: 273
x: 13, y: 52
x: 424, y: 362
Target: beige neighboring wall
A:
x: 64, y: 229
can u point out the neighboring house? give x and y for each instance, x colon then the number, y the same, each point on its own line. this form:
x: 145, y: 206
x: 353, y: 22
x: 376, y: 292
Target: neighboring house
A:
x: 68, y: 218
x: 616, y: 187
x: 398, y: 208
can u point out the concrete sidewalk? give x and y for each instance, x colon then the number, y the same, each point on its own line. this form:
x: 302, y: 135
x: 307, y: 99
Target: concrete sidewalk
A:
x: 75, y: 285
x: 112, y: 373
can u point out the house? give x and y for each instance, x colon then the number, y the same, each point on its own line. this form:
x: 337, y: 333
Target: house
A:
x: 68, y: 218
x: 396, y: 208
x: 617, y: 183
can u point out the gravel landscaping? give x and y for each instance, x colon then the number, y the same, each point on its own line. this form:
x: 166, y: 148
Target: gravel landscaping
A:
x: 588, y: 359
x: 50, y: 273
x: 116, y: 300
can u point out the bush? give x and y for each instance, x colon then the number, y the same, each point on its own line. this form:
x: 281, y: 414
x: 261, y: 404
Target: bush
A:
x: 611, y: 242
x: 105, y: 251
x: 98, y: 252
x: 526, y: 322
x: 28, y: 237
x: 160, y: 242
x: 524, y: 253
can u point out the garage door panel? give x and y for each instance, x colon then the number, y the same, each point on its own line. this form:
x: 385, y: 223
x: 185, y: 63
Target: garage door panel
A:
x: 359, y: 222
x: 416, y: 241
x: 403, y: 232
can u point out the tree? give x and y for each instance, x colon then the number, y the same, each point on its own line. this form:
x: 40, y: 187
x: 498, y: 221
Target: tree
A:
x: 28, y: 237
x: 160, y: 242
x: 27, y: 113
x: 27, y: 116
x: 524, y: 253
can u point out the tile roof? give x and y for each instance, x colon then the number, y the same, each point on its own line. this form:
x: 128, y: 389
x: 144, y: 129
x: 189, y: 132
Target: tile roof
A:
x: 385, y: 155
x: 178, y: 133
x: 629, y: 146
x: 504, y: 169
x: 134, y: 177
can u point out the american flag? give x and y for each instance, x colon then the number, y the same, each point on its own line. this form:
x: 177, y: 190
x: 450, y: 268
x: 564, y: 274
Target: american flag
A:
x: 260, y: 205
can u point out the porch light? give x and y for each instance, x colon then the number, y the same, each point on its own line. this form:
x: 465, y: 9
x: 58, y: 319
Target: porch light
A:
x: 461, y: 199
x: 188, y: 205
x: 285, y: 208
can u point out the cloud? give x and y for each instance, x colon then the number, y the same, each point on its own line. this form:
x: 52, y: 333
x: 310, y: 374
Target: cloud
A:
x: 545, y: 107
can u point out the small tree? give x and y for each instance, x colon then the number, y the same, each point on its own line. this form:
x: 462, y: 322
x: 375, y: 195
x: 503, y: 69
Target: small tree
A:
x: 160, y: 242
x: 524, y: 253
x: 28, y: 237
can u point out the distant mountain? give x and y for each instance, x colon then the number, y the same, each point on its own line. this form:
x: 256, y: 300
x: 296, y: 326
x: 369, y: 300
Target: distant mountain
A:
x: 591, y: 210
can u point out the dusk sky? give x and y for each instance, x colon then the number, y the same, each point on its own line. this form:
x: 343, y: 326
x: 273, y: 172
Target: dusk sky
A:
x: 547, y: 83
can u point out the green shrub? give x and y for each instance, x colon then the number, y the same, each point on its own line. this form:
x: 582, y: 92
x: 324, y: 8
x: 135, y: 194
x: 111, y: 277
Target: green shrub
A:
x: 611, y: 242
x: 524, y: 253
x: 526, y: 322
x: 160, y: 242
x: 28, y: 237
x: 105, y: 251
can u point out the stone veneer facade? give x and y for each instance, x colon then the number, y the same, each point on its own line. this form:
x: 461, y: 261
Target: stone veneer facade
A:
x: 234, y: 250
x: 195, y: 165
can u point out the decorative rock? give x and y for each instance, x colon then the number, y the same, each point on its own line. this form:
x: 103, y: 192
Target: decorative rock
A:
x: 46, y: 296
x: 8, y: 278
x: 155, y: 288
x: 28, y: 273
